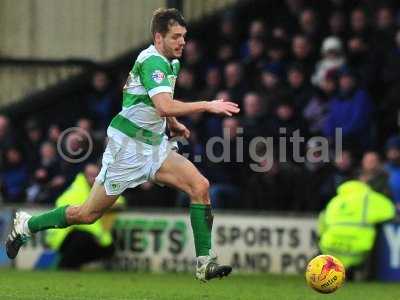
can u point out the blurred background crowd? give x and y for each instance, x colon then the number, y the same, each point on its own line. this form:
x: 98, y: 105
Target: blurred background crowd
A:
x: 300, y: 66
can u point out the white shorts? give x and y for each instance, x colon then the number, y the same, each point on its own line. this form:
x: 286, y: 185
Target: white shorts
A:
x: 129, y: 163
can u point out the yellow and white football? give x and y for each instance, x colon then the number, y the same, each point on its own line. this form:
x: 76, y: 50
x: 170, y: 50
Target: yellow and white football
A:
x: 325, y: 274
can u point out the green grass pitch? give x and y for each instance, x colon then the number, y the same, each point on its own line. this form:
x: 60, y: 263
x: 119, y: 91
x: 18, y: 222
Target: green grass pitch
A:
x: 16, y: 285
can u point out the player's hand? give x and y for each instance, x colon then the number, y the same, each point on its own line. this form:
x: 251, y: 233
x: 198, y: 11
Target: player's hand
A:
x: 222, y: 107
x: 179, y: 130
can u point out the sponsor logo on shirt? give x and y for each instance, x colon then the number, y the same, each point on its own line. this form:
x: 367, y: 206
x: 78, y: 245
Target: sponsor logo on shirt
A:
x: 158, y: 76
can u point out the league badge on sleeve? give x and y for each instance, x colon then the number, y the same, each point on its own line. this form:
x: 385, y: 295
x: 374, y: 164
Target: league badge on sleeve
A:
x: 158, y: 76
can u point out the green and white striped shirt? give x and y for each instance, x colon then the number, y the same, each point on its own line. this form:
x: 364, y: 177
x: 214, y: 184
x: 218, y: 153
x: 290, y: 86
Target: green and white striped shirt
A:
x: 151, y: 74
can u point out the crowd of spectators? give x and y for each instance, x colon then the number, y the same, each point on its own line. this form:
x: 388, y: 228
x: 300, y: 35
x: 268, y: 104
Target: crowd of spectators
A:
x: 309, y: 71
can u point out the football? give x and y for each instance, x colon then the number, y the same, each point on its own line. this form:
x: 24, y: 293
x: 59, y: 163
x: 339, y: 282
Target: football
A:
x: 325, y: 274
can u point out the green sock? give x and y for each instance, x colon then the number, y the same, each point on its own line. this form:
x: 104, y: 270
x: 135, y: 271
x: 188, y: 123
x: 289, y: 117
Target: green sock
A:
x: 52, y: 219
x: 202, y: 220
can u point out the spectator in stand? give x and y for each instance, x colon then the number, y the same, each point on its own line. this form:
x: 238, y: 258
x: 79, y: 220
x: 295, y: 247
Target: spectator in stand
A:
x: 337, y: 25
x: 13, y: 176
x: 226, y: 178
x: 317, y: 177
x: 361, y: 59
x: 196, y: 124
x: 100, y: 103
x: 343, y: 169
x: 78, y: 148
x: 321, y: 179
x: 308, y: 22
x: 351, y: 110
x: 392, y: 167
x: 316, y: 111
x: 253, y: 116
x: 332, y: 59
x: 194, y: 62
x: 373, y: 173
x: 272, y: 86
x: 277, y: 52
x: 285, y: 123
x: 74, y: 145
x: 267, y: 188
x: 32, y: 145
x: 54, y: 133
x: 299, y: 87
x: 302, y: 51
x: 385, y: 29
x: 96, y: 137
x: 185, y: 85
x: 254, y: 61
x: 213, y: 83
x: 234, y: 82
x: 257, y: 30
x: 223, y: 94
x: 48, y: 181
x: 359, y: 24
x: 294, y: 8
x: 225, y: 54
x: 279, y: 32
x: 228, y: 32
x: 85, y: 124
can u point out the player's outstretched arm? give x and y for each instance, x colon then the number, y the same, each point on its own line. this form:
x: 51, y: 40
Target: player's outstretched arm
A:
x: 167, y: 107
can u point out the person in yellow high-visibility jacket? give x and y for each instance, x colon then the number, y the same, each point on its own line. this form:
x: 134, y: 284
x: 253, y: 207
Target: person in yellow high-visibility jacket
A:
x: 347, y: 227
x: 79, y: 244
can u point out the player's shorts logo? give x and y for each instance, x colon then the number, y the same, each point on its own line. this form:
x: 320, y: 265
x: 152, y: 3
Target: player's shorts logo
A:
x: 115, y: 186
x: 158, y: 76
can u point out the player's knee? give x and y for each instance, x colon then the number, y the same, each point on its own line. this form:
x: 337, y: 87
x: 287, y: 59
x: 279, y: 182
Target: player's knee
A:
x: 200, y: 188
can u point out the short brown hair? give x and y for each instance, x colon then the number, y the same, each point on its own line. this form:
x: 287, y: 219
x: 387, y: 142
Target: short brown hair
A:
x: 165, y: 17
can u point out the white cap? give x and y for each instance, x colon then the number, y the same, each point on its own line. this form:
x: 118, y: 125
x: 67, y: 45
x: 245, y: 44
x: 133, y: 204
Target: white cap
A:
x: 331, y: 43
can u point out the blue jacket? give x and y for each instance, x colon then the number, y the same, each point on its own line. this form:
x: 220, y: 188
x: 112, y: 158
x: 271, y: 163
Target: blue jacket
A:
x: 352, y: 114
x: 14, y: 180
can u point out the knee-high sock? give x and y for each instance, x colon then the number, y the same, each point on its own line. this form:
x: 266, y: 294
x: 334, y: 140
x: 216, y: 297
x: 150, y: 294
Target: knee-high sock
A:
x: 55, y: 218
x: 202, y: 220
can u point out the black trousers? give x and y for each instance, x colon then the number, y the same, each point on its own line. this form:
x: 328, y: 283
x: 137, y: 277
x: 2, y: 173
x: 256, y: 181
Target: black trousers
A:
x: 81, y: 247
